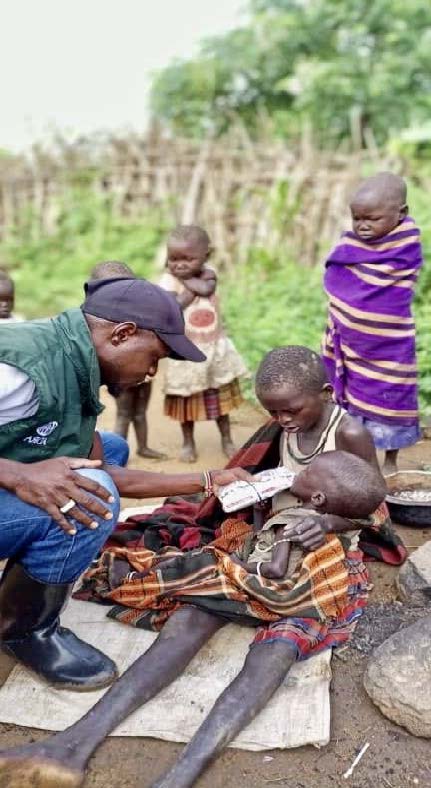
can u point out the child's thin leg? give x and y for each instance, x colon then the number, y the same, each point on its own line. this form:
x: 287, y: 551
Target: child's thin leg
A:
x: 188, y: 452
x: 390, y: 462
x: 223, y: 423
x: 60, y: 760
x: 142, y: 398
x: 125, y: 408
x: 264, y: 670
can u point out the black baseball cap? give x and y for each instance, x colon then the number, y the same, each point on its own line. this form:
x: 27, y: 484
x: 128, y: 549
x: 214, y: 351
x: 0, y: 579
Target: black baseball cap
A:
x: 149, y: 306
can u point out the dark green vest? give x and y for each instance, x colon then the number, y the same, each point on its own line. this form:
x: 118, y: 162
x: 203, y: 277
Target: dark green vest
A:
x: 59, y: 355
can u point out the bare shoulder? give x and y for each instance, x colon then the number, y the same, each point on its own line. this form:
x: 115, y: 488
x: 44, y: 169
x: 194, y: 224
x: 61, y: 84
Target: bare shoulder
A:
x: 352, y: 436
x: 351, y: 428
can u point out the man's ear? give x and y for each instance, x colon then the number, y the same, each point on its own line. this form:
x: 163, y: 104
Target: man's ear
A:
x: 318, y: 500
x: 404, y: 211
x: 210, y: 252
x: 122, y: 332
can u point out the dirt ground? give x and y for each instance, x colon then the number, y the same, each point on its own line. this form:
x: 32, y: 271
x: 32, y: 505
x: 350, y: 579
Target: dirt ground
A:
x: 394, y: 759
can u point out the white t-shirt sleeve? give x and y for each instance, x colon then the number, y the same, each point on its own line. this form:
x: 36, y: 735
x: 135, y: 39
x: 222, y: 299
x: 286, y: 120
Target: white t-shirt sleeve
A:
x: 18, y: 395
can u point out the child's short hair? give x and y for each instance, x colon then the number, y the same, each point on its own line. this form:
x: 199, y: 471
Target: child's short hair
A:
x: 385, y: 185
x: 6, y: 277
x: 292, y: 365
x: 353, y: 487
x: 190, y: 233
x: 109, y: 269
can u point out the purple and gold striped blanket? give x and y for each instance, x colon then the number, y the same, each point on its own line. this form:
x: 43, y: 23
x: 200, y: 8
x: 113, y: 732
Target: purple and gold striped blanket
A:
x: 369, y: 342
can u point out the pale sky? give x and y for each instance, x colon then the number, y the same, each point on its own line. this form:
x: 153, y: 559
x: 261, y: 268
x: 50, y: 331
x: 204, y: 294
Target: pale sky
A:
x: 84, y: 65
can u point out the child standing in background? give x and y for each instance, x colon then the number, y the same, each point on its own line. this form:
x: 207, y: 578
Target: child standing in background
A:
x: 209, y: 390
x: 132, y: 404
x: 369, y: 345
x: 7, y: 299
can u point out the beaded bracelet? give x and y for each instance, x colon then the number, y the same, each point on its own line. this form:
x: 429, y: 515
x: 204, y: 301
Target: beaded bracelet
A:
x: 207, y: 484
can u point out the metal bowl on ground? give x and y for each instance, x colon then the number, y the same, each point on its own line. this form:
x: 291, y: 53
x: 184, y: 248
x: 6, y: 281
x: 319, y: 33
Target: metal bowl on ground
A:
x: 416, y: 514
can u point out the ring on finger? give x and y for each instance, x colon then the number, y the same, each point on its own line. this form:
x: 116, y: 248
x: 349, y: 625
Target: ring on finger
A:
x: 67, y: 506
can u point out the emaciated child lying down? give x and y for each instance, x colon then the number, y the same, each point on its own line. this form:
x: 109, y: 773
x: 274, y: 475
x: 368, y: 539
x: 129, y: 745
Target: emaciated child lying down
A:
x: 254, y: 577
x: 336, y: 482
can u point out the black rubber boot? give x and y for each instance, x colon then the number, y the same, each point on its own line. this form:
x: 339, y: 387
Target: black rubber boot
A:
x: 31, y: 633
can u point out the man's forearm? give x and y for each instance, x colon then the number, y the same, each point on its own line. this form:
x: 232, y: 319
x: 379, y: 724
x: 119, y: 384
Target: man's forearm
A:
x: 145, y: 484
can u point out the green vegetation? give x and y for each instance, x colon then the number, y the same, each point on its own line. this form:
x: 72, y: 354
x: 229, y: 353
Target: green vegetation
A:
x: 276, y: 302
x: 273, y: 302
x: 353, y: 71
x: 267, y: 301
x: 358, y: 68
x: 50, y: 271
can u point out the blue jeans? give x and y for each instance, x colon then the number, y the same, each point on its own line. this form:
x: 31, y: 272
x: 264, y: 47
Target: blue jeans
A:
x: 44, y: 550
x: 115, y: 449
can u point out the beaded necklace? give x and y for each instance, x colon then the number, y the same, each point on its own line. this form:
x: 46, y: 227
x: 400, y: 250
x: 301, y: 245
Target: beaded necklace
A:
x: 305, y: 459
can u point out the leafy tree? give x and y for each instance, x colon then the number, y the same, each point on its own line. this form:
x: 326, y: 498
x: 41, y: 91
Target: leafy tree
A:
x: 364, y: 64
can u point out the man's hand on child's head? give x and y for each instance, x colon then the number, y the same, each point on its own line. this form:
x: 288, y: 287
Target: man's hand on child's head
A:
x: 310, y: 532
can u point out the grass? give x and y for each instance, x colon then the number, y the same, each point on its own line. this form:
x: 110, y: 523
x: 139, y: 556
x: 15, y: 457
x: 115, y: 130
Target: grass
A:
x: 270, y: 303
x: 267, y: 302
x: 49, y: 272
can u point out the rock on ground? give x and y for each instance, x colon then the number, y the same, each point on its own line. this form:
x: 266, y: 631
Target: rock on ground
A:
x: 378, y: 622
x: 398, y: 678
x: 414, y: 579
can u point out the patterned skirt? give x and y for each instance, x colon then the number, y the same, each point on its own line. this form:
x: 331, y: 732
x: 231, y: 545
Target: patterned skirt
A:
x: 205, y: 405
x: 391, y: 437
x: 308, y: 636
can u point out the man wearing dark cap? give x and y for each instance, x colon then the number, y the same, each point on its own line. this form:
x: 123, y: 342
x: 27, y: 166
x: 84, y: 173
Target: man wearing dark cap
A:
x: 59, y: 489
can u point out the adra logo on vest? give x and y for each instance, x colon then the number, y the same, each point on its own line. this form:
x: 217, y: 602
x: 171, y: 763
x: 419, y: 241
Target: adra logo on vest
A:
x: 43, y: 433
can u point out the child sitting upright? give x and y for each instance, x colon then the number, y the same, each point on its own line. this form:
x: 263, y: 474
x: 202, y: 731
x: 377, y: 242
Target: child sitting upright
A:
x: 369, y: 344
x: 209, y: 390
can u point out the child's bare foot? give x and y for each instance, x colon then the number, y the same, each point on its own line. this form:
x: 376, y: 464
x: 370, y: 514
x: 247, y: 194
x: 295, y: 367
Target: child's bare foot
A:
x: 188, y: 453
x: 38, y: 766
x: 389, y: 466
x: 390, y: 462
x: 228, y: 447
x: 151, y: 454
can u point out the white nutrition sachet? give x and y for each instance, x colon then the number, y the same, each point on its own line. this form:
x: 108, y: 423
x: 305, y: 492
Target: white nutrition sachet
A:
x: 240, y: 494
